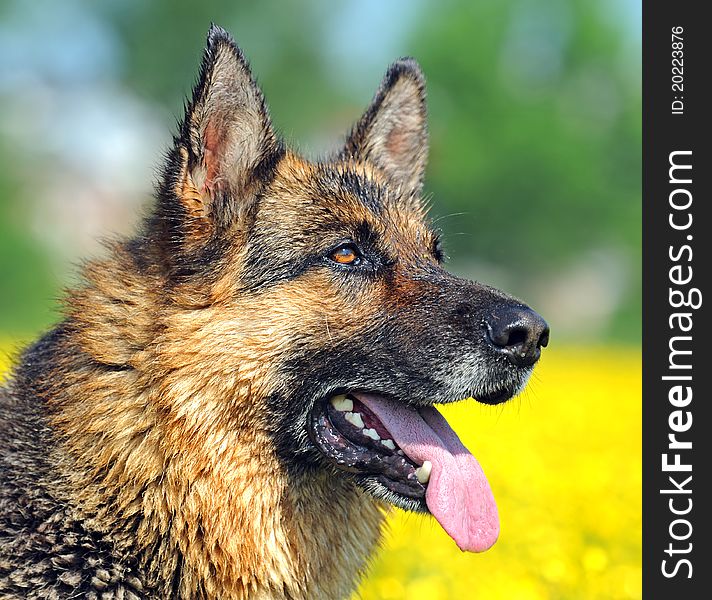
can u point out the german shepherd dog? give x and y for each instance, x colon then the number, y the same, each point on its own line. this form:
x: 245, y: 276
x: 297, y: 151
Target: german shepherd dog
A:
x: 237, y: 393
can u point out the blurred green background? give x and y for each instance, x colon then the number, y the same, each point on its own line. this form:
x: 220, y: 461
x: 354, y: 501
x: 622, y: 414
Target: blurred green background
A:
x: 534, y: 178
x: 534, y: 114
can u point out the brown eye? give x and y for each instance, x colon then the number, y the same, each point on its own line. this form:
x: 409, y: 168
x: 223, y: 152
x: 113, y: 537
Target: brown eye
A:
x: 346, y: 255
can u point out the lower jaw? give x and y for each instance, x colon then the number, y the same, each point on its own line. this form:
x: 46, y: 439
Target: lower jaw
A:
x: 496, y: 398
x: 512, y: 389
x: 384, y: 492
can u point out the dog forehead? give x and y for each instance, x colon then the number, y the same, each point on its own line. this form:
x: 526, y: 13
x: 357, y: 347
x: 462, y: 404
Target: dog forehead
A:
x: 314, y: 195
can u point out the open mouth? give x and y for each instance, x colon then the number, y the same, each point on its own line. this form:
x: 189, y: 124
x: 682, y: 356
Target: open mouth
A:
x: 412, y: 458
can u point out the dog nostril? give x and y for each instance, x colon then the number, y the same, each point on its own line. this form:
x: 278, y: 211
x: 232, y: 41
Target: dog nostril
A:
x: 517, y: 336
x: 519, y: 333
x: 544, y: 339
x: 505, y: 333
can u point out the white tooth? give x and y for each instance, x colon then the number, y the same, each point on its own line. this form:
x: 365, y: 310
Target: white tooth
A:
x: 342, y: 403
x: 355, y: 419
x: 388, y: 444
x: 372, y: 433
x: 423, y: 473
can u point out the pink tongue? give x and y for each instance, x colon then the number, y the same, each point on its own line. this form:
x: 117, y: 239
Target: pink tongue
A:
x: 458, y: 494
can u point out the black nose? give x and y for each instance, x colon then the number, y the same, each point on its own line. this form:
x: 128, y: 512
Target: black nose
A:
x: 519, y: 333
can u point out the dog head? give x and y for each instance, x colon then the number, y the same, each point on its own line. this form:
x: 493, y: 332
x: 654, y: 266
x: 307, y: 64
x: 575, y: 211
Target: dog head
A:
x: 313, y: 295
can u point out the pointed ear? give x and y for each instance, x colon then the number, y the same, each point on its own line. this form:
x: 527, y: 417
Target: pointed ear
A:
x: 392, y: 134
x: 227, y: 146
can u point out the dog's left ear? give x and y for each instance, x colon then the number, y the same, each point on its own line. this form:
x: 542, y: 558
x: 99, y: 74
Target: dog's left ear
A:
x: 392, y: 134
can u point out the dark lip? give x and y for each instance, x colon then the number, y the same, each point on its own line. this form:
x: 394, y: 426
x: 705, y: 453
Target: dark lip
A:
x: 381, y: 473
x: 380, y: 491
x: 496, y: 397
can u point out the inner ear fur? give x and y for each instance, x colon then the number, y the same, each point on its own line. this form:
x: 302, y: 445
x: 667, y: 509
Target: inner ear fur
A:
x: 392, y: 134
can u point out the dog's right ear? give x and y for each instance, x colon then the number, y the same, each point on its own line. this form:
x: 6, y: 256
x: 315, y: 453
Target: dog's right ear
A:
x: 226, y: 148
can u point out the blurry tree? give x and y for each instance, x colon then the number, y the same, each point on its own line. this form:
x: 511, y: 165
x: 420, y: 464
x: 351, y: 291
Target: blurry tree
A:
x: 536, y: 135
x: 27, y: 288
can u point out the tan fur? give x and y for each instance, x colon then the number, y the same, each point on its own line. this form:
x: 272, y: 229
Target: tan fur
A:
x: 166, y: 440
x: 165, y: 434
x: 159, y: 398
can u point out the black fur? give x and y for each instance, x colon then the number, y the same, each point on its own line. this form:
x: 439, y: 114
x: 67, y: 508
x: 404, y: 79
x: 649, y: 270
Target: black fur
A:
x: 428, y: 324
x: 59, y: 556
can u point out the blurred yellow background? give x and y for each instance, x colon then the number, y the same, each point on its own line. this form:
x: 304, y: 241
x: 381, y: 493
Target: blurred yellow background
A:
x: 564, y: 462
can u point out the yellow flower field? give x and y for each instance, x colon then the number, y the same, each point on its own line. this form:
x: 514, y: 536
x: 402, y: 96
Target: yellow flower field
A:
x: 564, y: 461
x: 8, y: 351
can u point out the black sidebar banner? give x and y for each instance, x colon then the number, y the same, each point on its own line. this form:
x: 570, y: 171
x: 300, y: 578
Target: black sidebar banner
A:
x: 677, y: 338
